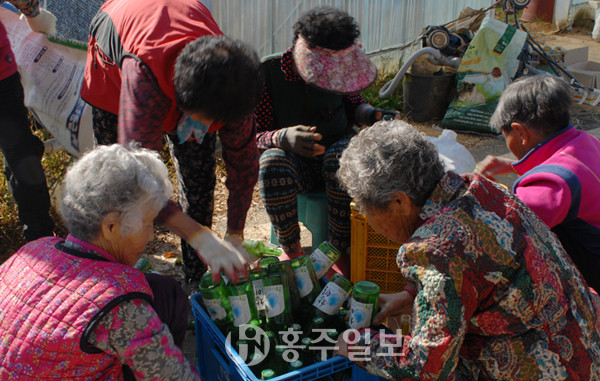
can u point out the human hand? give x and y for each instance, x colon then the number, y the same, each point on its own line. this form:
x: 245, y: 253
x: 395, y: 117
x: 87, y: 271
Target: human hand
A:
x: 381, y: 114
x: 220, y: 255
x: 236, y: 240
x: 301, y: 140
x: 494, y: 165
x: 342, y: 345
x: 44, y: 22
x: 392, y: 304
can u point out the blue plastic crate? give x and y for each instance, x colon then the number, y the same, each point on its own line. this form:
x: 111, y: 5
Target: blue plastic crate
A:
x: 219, y: 361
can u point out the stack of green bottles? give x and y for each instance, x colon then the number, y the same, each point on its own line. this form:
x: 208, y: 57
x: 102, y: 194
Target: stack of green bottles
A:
x: 279, y: 319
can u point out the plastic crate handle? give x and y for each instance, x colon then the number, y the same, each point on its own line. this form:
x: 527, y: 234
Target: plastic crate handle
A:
x: 218, y: 354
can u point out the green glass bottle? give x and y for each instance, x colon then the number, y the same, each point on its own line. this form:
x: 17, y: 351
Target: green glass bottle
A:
x: 244, y: 348
x: 278, y: 304
x: 241, y: 299
x: 282, y: 363
x: 307, y: 354
x: 264, y: 262
x: 258, y: 249
x: 323, y: 258
x: 216, y: 300
x: 286, y: 267
x: 296, y: 365
x: 331, y: 298
x: 332, y: 336
x: 269, y: 346
x: 363, y: 306
x: 256, y: 362
x: 257, y: 275
x: 341, y: 323
x: 308, y: 285
x: 315, y: 327
x: 143, y: 264
x: 267, y: 374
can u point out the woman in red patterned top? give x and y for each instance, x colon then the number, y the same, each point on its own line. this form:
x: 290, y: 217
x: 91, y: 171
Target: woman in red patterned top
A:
x: 494, y: 294
x: 162, y: 70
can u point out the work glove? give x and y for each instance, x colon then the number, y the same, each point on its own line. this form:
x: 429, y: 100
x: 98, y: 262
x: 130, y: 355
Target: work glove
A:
x: 220, y: 255
x: 298, y: 139
x: 44, y: 22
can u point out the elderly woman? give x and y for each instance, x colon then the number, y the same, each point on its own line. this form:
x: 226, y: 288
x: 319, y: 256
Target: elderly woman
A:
x: 76, y: 308
x: 558, y: 165
x: 305, y: 119
x: 494, y: 295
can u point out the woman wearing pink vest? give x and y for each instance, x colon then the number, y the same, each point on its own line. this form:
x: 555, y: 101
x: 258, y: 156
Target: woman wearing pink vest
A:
x: 558, y: 165
x: 76, y: 309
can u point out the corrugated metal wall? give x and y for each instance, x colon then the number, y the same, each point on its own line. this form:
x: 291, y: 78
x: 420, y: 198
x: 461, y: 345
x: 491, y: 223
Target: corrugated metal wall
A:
x: 267, y: 24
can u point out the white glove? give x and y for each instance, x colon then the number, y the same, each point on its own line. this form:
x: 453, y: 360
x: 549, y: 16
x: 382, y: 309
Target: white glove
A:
x: 219, y: 255
x: 44, y: 22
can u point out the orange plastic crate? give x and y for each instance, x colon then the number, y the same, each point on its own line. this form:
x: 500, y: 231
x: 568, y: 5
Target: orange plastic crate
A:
x: 373, y: 256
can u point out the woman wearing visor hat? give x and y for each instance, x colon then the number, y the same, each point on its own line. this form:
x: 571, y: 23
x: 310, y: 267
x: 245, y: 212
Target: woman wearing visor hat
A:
x: 305, y: 119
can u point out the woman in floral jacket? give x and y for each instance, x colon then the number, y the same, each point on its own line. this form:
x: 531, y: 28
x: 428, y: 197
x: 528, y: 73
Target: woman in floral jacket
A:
x: 494, y: 294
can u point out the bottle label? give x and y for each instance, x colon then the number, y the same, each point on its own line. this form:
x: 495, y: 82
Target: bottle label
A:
x: 258, y: 294
x: 331, y: 298
x: 215, y: 309
x: 275, y: 301
x: 360, y: 314
x: 305, y: 284
x: 321, y: 262
x: 240, y: 308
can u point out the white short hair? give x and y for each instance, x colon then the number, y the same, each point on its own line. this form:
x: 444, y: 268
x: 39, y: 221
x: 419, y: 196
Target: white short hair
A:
x: 127, y: 180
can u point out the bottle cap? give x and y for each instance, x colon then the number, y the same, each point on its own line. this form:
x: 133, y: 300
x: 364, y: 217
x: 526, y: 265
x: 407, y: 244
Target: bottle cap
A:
x: 267, y: 374
x: 296, y: 365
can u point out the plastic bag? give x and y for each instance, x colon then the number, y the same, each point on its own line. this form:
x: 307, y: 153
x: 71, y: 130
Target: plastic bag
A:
x: 596, y: 30
x: 454, y: 155
x: 51, y: 75
x: 487, y: 67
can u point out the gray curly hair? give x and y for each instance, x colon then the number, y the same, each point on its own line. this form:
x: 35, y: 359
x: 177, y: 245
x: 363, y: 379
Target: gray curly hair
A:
x: 389, y: 157
x: 126, y: 180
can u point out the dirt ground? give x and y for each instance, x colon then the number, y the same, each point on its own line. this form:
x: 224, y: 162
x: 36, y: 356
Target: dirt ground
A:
x: 258, y: 225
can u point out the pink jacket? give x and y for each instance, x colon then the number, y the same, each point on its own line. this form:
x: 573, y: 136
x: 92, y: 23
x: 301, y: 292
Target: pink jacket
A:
x: 51, y: 299
x: 560, y: 181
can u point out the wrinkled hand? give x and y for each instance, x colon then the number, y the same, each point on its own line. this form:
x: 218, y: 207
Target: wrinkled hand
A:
x: 494, y: 165
x: 220, y: 255
x: 301, y: 140
x: 44, y: 22
x: 392, y: 304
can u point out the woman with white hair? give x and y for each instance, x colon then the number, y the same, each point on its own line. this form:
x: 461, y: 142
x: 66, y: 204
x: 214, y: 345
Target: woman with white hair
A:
x: 76, y: 308
x: 493, y: 293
